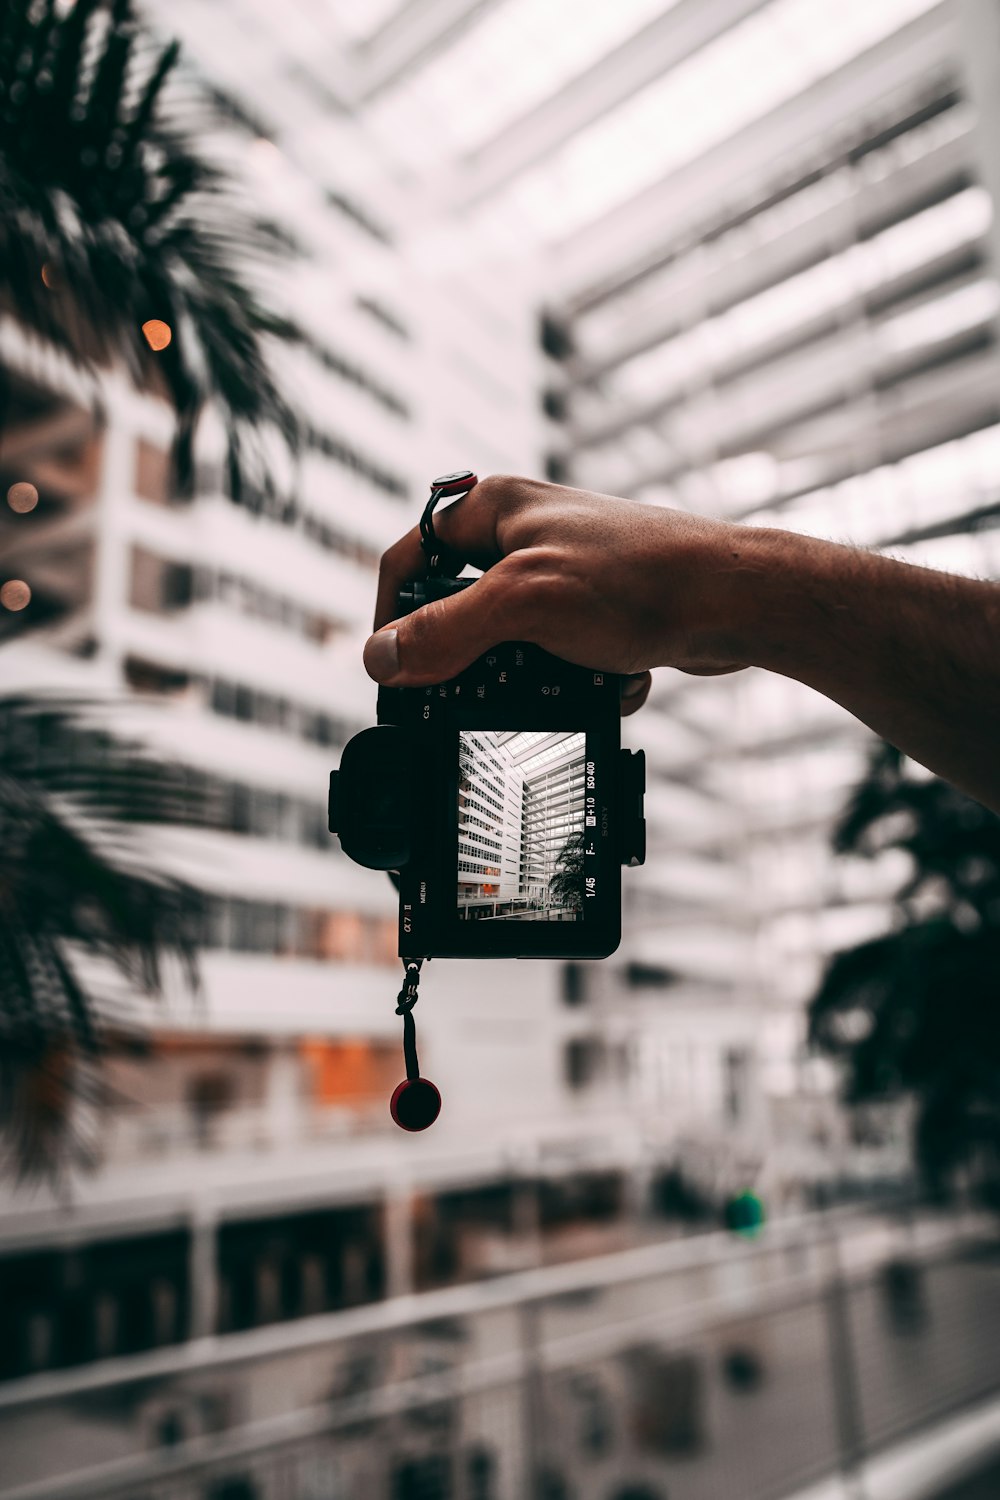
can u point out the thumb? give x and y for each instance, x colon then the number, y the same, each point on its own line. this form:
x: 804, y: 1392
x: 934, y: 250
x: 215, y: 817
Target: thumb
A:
x: 440, y: 639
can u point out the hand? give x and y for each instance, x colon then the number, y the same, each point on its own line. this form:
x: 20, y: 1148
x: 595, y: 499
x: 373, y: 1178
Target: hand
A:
x: 602, y: 582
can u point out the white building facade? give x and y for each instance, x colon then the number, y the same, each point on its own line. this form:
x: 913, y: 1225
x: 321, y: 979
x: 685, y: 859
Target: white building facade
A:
x: 790, y: 319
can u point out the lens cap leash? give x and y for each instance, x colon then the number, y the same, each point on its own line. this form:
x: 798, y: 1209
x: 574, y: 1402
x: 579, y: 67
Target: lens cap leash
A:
x: 415, y: 1102
x: 446, y: 487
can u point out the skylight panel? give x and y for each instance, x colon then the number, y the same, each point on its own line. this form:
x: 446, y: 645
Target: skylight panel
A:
x: 522, y: 53
x: 747, y: 72
x: 361, y: 21
x: 516, y: 744
x: 562, y: 750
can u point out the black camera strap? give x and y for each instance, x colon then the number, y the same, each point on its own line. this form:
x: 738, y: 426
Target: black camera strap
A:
x: 445, y: 487
x: 415, y: 1102
x: 405, y: 1001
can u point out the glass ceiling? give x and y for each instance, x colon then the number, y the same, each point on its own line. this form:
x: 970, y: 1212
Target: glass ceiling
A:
x: 514, y: 55
x: 518, y: 746
x: 564, y: 749
x: 517, y: 56
x: 664, y: 290
x: 751, y: 69
x: 360, y: 19
x: 516, y: 743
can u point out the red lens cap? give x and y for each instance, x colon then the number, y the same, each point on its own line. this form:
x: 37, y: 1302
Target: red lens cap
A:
x: 415, y: 1104
x: 454, y: 484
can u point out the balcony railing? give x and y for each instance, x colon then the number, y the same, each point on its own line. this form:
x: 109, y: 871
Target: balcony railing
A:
x: 706, y: 1367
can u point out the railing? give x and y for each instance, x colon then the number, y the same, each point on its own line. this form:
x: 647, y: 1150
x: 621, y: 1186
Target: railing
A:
x: 162, y: 1132
x: 695, y: 1370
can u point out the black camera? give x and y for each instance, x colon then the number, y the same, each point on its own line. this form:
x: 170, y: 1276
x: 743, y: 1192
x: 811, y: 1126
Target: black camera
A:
x: 502, y: 799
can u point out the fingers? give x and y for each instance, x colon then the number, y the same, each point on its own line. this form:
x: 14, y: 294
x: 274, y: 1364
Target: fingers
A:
x: 635, y: 691
x: 438, y: 641
x: 467, y: 530
x: 404, y: 560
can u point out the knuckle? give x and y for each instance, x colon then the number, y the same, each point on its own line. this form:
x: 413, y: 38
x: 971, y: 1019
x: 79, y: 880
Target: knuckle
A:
x: 526, y: 585
x: 498, y: 487
x: 535, y: 567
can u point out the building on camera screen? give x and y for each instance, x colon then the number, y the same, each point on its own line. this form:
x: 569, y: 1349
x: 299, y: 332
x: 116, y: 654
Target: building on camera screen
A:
x: 520, y: 825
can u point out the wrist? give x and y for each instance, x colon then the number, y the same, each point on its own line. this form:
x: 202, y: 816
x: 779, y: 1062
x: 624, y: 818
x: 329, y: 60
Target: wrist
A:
x: 771, y: 591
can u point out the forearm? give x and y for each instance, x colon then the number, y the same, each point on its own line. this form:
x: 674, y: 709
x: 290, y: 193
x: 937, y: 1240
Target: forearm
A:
x: 912, y: 652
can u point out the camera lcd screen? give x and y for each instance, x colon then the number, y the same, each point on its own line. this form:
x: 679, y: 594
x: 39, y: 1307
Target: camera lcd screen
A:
x: 522, y: 806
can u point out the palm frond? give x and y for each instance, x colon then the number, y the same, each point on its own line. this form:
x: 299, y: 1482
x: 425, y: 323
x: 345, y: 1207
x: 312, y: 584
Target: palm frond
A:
x: 132, y: 223
x: 74, y: 878
x: 916, y: 1012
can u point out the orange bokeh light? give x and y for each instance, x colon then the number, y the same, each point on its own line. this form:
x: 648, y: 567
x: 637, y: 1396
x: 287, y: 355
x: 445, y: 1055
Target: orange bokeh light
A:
x: 22, y: 497
x: 158, y: 334
x: 49, y: 275
x: 15, y: 594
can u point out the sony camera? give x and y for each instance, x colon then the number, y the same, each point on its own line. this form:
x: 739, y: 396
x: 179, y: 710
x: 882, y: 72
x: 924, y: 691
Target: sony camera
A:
x: 501, y: 800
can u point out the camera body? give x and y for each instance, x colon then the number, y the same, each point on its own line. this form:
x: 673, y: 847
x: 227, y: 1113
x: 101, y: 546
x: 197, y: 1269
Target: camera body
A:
x: 502, y: 800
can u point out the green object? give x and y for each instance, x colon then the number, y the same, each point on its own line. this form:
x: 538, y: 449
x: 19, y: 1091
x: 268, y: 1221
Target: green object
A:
x: 745, y: 1214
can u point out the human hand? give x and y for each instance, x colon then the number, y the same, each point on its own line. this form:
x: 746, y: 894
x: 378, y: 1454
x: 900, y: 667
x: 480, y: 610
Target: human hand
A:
x: 602, y: 582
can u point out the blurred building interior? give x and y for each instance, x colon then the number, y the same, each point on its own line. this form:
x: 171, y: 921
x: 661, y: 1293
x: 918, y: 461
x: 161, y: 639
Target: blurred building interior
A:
x: 734, y: 256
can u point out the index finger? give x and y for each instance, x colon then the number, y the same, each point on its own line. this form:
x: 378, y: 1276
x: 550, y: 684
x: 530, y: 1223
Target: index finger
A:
x: 467, y: 531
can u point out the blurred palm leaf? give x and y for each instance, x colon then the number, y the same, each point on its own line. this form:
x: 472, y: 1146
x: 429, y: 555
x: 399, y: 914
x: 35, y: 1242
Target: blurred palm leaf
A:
x: 917, y: 1012
x: 132, y: 224
x: 73, y: 876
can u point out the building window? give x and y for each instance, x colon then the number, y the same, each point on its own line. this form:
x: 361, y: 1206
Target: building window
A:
x: 583, y: 1058
x: 348, y: 457
x: 555, y: 337
x: 283, y: 513
x: 354, y: 375
x: 253, y: 706
x: 574, y: 984
x: 261, y: 603
x: 381, y: 314
x: 157, y: 585
x: 300, y: 932
x: 736, y: 1080
x: 639, y: 976
x: 149, y: 677
x: 351, y: 209
x: 350, y: 1071
x: 152, y: 472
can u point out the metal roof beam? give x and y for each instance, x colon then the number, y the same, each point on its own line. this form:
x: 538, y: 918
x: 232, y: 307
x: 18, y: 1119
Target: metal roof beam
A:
x: 644, y: 57
x: 921, y: 412
x: 726, y: 282
x: 627, y: 243
x: 411, y: 36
